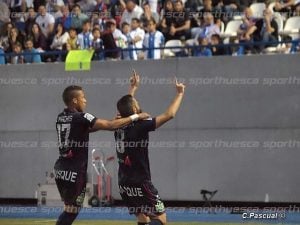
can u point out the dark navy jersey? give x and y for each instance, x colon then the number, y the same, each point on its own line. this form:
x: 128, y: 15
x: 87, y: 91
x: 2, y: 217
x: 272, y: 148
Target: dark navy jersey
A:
x: 73, y: 134
x: 132, y: 151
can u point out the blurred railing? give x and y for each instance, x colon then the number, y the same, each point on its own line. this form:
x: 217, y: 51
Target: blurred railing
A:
x: 236, y: 49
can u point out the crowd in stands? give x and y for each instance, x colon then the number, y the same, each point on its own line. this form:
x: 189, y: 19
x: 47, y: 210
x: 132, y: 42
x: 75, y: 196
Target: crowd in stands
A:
x: 132, y: 30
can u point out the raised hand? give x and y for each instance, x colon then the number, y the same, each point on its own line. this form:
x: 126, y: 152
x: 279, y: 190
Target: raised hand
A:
x: 179, y: 87
x: 134, y: 79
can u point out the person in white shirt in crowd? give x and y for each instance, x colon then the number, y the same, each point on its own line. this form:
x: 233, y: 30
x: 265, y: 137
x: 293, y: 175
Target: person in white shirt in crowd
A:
x: 97, y: 45
x: 119, y: 37
x: 61, y: 37
x: 153, y: 39
x: 132, y: 11
x: 137, y: 37
x: 153, y: 5
x: 46, y: 21
x: 126, y: 32
x: 208, y: 28
x: 85, y: 38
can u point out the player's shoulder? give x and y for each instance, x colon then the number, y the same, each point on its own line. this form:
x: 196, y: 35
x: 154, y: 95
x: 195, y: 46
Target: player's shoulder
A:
x: 145, y: 121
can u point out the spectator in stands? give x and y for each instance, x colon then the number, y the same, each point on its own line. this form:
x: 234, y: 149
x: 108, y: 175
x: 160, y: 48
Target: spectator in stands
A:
x: 180, y: 23
x: 245, y: 31
x: 97, y: 45
x: 4, y: 15
x: 60, y: 38
x: 126, y: 32
x: 217, y: 45
x: 228, y: 8
x: 14, y: 37
x: 153, y: 5
x: 72, y: 40
x: 266, y: 30
x: 17, y: 6
x: 46, y: 21
x: 17, y: 49
x: 53, y: 6
x: 132, y: 11
x: 78, y: 18
x: 33, y: 57
x: 165, y: 13
x: 65, y: 19
x: 38, y: 38
x: 208, y: 27
x: 86, y: 5
x: 38, y: 3
x: 147, y: 15
x: 30, y: 20
x: 85, y: 38
x: 2, y: 57
x: 287, y: 6
x: 101, y: 7
x: 5, y: 36
x: 209, y: 8
x: 193, y: 5
x: 109, y: 43
x: 119, y: 37
x: 153, y: 39
x: 137, y: 37
x: 203, y: 49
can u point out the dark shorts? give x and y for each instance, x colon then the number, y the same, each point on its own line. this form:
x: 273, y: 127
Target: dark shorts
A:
x: 71, y: 181
x: 142, y: 198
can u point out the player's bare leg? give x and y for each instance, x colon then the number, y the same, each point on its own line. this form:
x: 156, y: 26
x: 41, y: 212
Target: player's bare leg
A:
x: 159, y: 220
x: 143, y: 219
x: 68, y: 215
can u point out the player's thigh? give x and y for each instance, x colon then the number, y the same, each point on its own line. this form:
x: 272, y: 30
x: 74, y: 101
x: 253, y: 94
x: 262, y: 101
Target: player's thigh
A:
x: 162, y: 218
x: 71, y: 182
x: 142, y: 218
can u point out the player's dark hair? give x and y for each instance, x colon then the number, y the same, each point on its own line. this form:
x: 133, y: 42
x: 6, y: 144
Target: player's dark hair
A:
x: 124, y: 106
x: 70, y: 93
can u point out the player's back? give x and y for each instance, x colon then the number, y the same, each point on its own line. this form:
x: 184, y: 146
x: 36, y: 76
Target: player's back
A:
x: 73, y: 134
x: 132, y: 151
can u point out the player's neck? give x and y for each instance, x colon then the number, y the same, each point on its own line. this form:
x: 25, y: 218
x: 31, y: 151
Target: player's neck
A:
x: 71, y: 109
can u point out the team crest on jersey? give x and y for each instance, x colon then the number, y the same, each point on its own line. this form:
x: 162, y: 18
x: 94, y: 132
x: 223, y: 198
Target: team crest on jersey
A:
x: 89, y: 117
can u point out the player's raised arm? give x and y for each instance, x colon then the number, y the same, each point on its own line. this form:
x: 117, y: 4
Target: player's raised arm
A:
x: 102, y: 124
x: 174, y: 106
x: 134, y: 83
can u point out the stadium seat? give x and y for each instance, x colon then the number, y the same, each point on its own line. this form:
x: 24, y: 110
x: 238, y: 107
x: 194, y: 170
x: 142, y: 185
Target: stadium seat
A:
x: 231, y: 28
x: 258, y: 9
x: 292, y: 27
x: 279, y: 20
x: 170, y: 52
